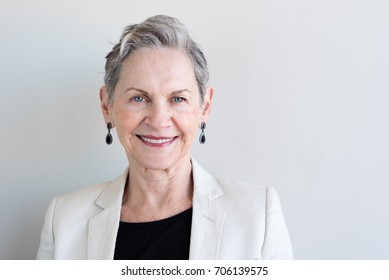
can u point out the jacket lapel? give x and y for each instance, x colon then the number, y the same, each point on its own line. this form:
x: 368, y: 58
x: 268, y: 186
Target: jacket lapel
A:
x: 104, y: 226
x: 208, y: 218
x: 207, y: 221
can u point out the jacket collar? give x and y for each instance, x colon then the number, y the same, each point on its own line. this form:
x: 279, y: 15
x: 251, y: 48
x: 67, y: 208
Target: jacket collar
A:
x: 207, y: 220
x: 208, y: 217
x: 104, y: 226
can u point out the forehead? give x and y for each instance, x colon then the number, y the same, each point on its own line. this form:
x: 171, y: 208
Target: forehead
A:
x: 158, y: 69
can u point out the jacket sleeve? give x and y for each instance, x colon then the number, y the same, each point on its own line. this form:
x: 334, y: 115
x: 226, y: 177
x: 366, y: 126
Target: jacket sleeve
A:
x: 276, y: 244
x: 46, y: 246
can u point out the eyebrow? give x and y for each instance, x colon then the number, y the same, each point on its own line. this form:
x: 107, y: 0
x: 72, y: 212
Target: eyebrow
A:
x: 180, y: 91
x: 136, y: 89
x: 145, y: 92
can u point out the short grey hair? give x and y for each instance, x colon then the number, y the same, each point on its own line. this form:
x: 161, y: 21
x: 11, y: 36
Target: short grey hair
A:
x: 155, y: 32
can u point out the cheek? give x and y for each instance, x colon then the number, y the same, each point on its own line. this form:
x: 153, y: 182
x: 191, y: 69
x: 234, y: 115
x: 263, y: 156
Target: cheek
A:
x: 188, y: 127
x: 188, y: 113
x: 126, y: 122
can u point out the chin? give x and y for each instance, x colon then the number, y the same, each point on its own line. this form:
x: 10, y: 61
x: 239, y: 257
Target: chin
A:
x: 156, y: 162
x: 161, y: 162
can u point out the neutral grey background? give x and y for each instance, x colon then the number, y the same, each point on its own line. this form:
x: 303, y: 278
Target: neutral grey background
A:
x: 301, y: 104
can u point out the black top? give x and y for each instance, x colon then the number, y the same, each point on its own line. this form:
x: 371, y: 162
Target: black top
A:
x: 166, y: 239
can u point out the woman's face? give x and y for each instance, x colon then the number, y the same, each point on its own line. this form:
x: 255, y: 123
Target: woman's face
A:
x: 157, y: 108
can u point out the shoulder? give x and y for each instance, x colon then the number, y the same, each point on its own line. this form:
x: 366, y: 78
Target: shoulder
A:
x: 104, y: 193
x: 258, y: 212
x: 249, y: 193
x: 76, y: 205
x: 228, y: 190
x: 92, y: 198
x: 82, y: 196
x: 242, y: 198
x: 241, y: 189
x: 249, y: 197
x: 232, y: 183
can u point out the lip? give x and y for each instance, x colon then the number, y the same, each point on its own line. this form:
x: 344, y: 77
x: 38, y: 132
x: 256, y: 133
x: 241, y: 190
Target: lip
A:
x: 155, y: 141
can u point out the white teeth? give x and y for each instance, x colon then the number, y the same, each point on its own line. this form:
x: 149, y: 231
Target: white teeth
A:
x: 156, y: 141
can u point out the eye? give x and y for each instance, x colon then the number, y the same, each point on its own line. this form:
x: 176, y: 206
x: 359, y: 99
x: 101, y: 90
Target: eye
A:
x: 178, y: 99
x: 137, y: 98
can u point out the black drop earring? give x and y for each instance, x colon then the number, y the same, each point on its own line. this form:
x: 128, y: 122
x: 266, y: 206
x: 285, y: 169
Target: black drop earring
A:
x: 202, y: 135
x: 108, y: 138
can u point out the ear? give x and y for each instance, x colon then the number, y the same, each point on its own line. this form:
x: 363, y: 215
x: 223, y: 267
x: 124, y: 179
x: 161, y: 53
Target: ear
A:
x: 207, y: 104
x: 105, y: 105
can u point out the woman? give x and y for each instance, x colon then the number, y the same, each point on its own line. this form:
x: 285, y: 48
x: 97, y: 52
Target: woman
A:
x: 164, y: 205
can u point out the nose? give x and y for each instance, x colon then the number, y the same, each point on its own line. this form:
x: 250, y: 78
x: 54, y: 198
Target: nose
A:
x: 159, y: 115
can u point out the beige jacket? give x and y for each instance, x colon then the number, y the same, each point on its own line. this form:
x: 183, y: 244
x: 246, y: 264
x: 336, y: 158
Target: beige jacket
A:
x: 231, y: 220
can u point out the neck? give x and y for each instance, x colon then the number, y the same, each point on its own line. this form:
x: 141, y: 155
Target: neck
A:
x: 157, y: 194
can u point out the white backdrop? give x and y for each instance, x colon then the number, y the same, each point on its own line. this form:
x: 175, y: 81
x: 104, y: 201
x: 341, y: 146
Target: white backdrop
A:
x: 301, y: 104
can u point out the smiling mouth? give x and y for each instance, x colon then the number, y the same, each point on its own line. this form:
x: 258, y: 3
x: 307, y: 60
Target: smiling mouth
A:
x: 156, y: 140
